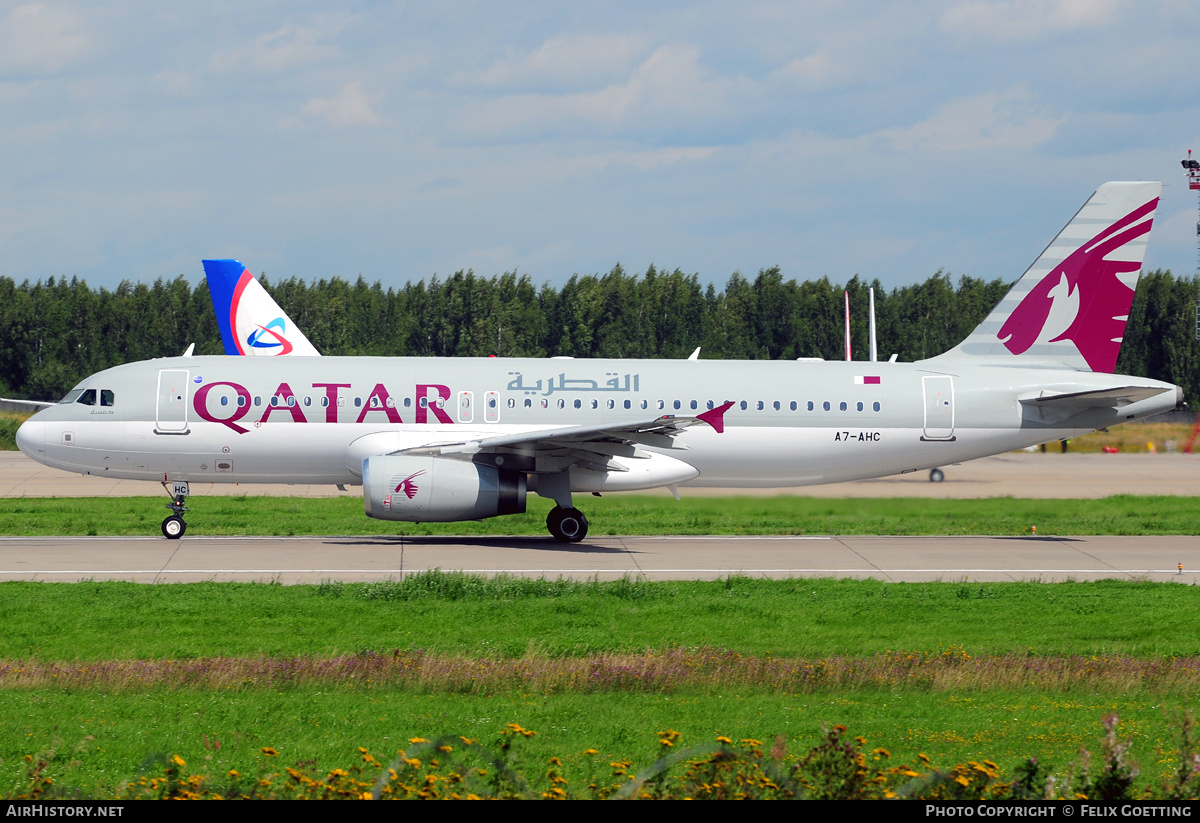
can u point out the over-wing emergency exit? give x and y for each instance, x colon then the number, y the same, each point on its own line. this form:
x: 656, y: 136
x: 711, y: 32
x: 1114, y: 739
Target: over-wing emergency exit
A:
x: 446, y: 439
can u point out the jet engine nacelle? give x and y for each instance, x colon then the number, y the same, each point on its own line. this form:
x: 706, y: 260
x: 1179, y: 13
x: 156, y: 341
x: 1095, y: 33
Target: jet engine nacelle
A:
x: 434, y: 489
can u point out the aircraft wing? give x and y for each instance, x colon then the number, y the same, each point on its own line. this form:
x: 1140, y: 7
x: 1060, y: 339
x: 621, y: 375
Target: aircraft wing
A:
x: 588, y: 447
x: 40, y: 404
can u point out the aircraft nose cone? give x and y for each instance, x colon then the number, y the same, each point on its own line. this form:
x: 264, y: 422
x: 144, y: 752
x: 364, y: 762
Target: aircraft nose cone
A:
x: 31, y: 439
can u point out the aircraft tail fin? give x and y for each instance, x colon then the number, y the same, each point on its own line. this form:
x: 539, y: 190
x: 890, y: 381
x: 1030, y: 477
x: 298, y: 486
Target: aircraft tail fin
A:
x: 251, y: 322
x: 1070, y: 308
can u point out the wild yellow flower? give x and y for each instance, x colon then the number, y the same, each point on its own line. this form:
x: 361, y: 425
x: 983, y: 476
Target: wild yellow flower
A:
x: 269, y: 752
x: 178, y: 761
x: 417, y: 740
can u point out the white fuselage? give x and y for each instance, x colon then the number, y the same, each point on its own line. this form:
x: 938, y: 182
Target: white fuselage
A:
x: 314, y: 420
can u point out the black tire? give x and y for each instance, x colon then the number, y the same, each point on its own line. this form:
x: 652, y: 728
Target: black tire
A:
x: 567, y: 525
x: 173, y: 527
x: 936, y: 476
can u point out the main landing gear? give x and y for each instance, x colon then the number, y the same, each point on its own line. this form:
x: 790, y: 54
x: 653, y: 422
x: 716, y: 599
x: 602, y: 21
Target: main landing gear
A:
x: 567, y: 525
x: 173, y: 526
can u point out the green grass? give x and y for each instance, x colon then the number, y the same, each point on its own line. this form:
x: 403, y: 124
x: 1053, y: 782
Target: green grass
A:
x: 621, y: 514
x: 103, y: 734
x: 511, y: 617
x: 101, y: 739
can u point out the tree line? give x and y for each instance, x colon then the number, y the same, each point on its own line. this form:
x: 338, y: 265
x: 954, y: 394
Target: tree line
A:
x: 54, y: 333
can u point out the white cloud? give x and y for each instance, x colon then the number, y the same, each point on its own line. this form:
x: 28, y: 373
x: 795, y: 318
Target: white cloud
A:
x: 41, y: 40
x: 815, y: 70
x: 349, y: 107
x: 566, y: 62
x: 1028, y: 19
x: 669, y: 84
x: 987, y: 121
x: 280, y: 50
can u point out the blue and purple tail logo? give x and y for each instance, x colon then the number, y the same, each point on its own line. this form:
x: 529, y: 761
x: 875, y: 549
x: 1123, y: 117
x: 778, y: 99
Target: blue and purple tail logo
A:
x: 251, y: 322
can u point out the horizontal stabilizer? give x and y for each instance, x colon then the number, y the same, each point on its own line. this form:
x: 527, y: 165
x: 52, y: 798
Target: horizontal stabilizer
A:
x: 1098, y: 399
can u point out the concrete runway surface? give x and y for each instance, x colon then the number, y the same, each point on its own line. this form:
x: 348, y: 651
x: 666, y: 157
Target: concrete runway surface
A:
x: 312, y: 559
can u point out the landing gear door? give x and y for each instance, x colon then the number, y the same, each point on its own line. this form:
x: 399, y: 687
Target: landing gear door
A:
x: 939, y: 407
x: 171, y: 417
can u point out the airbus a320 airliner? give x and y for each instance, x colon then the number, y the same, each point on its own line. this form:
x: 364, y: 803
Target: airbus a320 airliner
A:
x: 447, y: 439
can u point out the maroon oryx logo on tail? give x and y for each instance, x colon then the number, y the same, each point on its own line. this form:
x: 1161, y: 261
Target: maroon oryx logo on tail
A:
x: 408, y: 486
x: 1104, y: 300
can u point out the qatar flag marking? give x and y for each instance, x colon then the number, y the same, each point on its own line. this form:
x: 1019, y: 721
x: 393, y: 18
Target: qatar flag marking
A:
x: 866, y: 380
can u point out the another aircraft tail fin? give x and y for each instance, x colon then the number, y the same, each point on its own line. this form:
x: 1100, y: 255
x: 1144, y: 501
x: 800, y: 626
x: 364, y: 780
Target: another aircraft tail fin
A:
x: 1070, y: 308
x: 251, y: 322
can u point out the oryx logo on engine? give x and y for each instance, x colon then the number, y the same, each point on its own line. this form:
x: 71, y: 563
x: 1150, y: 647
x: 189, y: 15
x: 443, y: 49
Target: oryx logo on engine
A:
x: 407, y: 486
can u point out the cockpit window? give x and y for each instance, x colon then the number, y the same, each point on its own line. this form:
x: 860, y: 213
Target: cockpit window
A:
x: 71, y: 396
x: 88, y: 398
x: 106, y: 397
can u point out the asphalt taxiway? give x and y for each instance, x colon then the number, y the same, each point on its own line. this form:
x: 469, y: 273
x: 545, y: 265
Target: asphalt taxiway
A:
x: 314, y: 559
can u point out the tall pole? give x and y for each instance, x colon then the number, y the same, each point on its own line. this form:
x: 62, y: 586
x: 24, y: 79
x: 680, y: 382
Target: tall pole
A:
x: 846, y: 294
x: 874, y: 350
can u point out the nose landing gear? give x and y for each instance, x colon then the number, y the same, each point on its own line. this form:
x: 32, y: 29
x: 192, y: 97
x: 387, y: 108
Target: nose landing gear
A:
x: 173, y: 526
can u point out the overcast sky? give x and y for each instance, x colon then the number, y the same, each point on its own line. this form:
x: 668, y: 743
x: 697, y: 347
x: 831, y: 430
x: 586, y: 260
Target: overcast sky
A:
x: 405, y: 140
